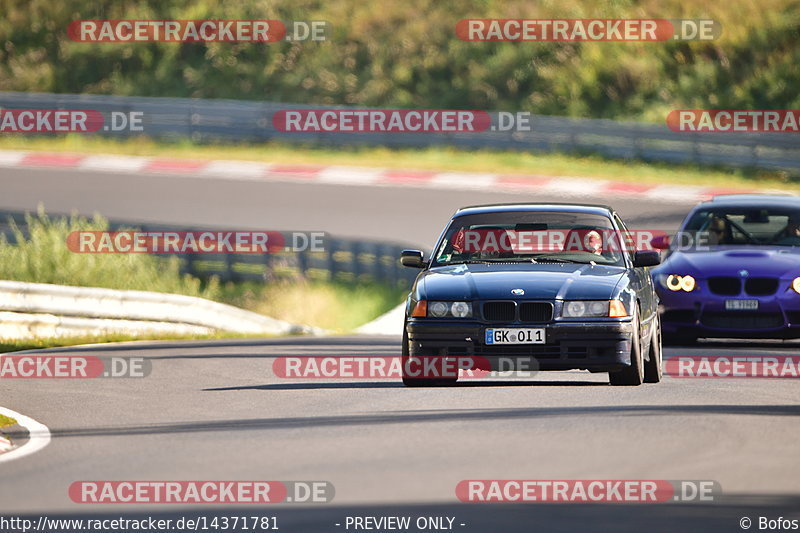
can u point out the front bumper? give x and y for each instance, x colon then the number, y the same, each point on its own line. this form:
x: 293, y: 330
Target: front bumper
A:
x: 703, y: 314
x: 596, y: 346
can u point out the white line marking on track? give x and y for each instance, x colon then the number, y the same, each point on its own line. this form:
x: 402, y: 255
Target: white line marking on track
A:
x: 459, y: 180
x: 574, y: 187
x: 11, y: 158
x: 236, y: 170
x: 118, y: 163
x: 39, y: 436
x: 675, y: 193
x: 349, y: 175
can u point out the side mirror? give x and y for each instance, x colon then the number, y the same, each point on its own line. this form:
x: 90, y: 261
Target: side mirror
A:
x: 412, y: 258
x: 646, y: 258
x: 660, y: 242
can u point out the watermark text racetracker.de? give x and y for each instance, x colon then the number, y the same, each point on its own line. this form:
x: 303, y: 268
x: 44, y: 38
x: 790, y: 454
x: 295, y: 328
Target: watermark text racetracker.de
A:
x: 592, y: 30
x: 73, y: 367
x: 572, y: 240
x: 69, y: 121
x: 723, y: 366
x: 587, y: 491
x: 396, y: 367
x: 734, y: 120
x: 194, y: 242
x: 200, y: 492
x: 198, y: 31
x: 399, y: 121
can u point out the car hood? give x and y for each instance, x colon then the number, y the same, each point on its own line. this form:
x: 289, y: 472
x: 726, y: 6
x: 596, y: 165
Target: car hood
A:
x: 730, y: 261
x: 542, y: 281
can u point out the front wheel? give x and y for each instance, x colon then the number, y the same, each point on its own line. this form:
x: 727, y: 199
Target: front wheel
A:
x: 633, y: 374
x: 410, y: 381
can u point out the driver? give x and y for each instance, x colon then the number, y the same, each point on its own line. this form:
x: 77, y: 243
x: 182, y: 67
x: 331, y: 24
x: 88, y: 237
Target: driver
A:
x: 717, y: 230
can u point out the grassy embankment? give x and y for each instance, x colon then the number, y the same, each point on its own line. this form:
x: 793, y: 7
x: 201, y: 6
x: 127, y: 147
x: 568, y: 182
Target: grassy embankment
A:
x: 43, y: 257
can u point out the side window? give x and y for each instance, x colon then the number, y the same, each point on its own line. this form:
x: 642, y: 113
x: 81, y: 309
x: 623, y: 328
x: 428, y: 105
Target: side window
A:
x: 630, y: 244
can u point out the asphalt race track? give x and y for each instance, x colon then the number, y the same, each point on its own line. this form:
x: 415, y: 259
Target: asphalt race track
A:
x: 397, y: 214
x: 214, y: 410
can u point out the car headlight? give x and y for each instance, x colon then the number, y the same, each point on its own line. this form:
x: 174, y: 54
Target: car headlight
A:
x: 796, y: 285
x: 593, y: 309
x: 676, y: 283
x: 449, y: 309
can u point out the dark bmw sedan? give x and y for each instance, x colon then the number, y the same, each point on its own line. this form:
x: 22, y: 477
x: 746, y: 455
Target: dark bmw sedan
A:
x: 535, y: 286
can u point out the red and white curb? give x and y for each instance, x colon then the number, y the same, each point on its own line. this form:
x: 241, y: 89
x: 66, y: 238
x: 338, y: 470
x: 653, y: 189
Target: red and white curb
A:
x: 38, y: 437
x: 362, y: 176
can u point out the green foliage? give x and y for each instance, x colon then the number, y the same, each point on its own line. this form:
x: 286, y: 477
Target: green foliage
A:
x: 44, y: 257
x: 406, y: 54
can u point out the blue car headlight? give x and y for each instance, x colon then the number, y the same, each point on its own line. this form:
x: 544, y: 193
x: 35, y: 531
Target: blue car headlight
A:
x: 676, y: 283
x: 796, y: 285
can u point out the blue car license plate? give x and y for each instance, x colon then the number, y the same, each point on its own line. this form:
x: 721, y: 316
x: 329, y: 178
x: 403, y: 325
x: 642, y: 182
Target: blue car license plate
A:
x: 515, y: 336
x: 741, y: 305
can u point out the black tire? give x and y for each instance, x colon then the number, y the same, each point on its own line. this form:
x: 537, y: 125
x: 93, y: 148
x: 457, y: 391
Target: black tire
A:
x: 634, y: 374
x: 653, y: 366
x: 409, y: 381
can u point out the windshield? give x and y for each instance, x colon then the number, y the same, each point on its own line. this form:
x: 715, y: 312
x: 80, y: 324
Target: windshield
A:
x: 760, y: 226
x: 530, y: 237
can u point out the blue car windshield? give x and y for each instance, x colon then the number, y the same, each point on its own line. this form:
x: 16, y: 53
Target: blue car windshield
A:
x: 531, y: 237
x: 759, y: 226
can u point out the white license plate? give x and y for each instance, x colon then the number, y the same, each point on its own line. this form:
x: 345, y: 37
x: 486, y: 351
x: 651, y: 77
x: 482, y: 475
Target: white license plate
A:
x: 741, y: 305
x: 515, y: 336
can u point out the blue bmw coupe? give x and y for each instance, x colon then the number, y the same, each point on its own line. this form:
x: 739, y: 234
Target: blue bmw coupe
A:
x: 732, y: 270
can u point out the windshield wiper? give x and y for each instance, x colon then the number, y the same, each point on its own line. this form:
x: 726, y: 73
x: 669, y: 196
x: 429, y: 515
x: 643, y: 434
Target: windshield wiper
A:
x: 488, y: 261
x: 467, y: 262
x: 561, y: 260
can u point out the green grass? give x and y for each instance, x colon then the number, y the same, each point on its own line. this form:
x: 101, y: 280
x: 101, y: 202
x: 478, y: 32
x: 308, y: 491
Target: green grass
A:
x: 335, y: 306
x: 407, y: 55
x: 6, y: 421
x: 44, y: 257
x: 437, y: 158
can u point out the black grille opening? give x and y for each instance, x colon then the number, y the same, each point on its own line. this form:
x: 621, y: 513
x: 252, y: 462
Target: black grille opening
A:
x: 577, y: 352
x: 540, y: 351
x: 499, y: 311
x: 742, y: 320
x: 761, y: 286
x: 535, y: 311
x: 793, y: 316
x: 726, y: 286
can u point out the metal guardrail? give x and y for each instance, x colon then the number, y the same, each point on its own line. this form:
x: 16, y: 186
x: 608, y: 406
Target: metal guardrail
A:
x: 348, y: 260
x: 132, y: 306
x: 233, y: 120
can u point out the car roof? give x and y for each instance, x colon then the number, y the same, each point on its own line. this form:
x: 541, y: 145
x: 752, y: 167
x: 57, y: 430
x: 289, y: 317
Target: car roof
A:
x: 537, y: 206
x: 753, y: 200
